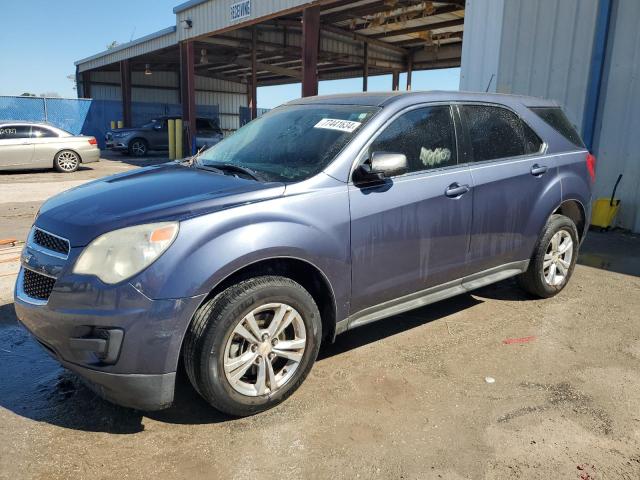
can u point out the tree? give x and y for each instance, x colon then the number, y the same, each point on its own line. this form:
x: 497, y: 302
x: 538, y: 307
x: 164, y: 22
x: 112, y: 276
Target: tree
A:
x: 27, y: 94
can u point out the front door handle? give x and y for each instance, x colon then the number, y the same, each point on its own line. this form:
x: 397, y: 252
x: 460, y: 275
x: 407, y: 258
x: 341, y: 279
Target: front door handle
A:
x: 538, y: 170
x: 455, y: 190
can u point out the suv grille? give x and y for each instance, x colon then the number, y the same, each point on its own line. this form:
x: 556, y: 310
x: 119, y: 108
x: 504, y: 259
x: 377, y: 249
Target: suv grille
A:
x: 36, y: 285
x: 51, y: 242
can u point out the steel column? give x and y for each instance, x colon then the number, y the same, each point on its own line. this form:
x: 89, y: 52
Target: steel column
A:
x: 86, y: 84
x: 310, y: 47
x: 125, y: 87
x: 395, y: 81
x: 365, y: 70
x: 253, y: 85
x: 188, y: 94
x: 409, y: 71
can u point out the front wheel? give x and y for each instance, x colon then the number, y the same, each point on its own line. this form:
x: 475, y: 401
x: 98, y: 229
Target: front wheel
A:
x: 252, y: 346
x: 554, y: 259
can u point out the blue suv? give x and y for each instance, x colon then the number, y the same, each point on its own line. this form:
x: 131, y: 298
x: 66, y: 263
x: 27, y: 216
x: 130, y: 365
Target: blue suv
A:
x: 323, y: 215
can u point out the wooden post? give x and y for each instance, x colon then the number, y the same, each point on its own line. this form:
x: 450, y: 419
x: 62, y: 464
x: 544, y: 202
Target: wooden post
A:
x: 125, y: 87
x: 188, y: 94
x: 365, y: 69
x: 253, y: 84
x: 310, y: 47
x: 409, y: 71
x: 395, y: 81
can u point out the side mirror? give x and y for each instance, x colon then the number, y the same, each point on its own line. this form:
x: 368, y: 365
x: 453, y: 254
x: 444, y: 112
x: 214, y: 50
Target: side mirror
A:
x: 382, y: 165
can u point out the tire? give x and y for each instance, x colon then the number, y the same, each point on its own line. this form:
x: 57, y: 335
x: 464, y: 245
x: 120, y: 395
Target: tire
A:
x: 138, y: 147
x: 546, y: 277
x: 212, y: 341
x: 66, y: 161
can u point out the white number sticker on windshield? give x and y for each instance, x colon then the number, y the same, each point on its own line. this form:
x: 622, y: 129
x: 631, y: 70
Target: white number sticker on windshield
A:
x: 341, y: 125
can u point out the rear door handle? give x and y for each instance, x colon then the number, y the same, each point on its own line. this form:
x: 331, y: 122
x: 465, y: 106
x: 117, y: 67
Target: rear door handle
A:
x: 455, y: 190
x: 538, y: 170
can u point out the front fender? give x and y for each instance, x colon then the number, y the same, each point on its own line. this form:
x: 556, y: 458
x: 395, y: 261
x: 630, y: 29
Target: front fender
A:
x: 313, y: 227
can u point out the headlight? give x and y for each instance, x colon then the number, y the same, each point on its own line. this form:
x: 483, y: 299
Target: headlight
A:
x: 119, y: 255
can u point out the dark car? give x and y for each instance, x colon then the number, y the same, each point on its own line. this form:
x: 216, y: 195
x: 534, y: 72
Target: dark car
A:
x: 323, y: 215
x: 154, y: 135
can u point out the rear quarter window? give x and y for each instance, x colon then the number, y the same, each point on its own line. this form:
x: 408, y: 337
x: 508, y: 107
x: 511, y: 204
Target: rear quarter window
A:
x: 496, y: 132
x: 555, y: 117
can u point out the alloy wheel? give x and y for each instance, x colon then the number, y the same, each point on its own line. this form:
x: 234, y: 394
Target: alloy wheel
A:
x: 264, y: 349
x: 68, y: 161
x: 557, y: 259
x: 138, y: 148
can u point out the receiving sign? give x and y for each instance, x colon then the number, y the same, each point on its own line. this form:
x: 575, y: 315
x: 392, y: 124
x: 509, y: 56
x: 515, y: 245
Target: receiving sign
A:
x: 240, y: 10
x: 341, y: 125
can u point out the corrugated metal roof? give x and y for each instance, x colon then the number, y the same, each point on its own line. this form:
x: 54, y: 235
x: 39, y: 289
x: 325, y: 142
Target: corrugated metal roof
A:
x: 149, y: 43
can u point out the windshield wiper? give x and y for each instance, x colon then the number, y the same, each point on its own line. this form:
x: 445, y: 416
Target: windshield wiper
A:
x: 231, y: 166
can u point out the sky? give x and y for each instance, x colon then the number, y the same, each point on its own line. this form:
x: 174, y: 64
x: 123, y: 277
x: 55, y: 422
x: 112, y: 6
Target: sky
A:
x: 42, y: 39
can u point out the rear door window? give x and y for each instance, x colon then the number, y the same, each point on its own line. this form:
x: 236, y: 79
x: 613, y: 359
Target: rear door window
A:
x: 425, y: 135
x: 497, y: 132
x: 556, y: 118
x: 41, y: 132
x: 11, y: 132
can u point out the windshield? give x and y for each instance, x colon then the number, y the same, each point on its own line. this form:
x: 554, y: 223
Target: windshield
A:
x: 291, y: 143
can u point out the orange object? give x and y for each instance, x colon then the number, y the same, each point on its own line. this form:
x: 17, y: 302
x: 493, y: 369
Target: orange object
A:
x: 8, y: 241
x: 162, y: 234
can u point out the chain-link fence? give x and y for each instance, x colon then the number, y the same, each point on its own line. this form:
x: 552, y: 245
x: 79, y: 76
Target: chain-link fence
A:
x: 86, y: 116
x: 66, y: 113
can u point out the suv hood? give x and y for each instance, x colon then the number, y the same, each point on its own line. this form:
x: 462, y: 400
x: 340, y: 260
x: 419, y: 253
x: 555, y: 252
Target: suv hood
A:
x: 163, y: 192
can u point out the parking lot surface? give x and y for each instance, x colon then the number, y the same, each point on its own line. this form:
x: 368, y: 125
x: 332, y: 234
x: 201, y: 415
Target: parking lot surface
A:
x: 485, y: 385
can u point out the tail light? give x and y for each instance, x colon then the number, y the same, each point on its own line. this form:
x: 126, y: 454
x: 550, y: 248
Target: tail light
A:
x: 591, y: 166
x: 93, y: 141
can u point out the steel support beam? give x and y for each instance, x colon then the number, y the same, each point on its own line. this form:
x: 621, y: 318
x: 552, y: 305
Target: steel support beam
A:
x: 125, y: 90
x: 86, y: 84
x: 409, y: 71
x: 310, y: 48
x: 253, y: 81
x: 395, y: 81
x: 188, y: 93
x: 365, y: 69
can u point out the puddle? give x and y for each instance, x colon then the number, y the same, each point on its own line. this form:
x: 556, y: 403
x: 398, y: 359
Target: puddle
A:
x: 35, y: 386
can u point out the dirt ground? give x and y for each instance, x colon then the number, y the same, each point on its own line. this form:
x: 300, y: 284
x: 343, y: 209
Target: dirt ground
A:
x: 411, y: 397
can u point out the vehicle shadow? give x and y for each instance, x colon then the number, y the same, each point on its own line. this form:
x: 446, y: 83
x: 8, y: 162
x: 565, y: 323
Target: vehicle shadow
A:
x: 35, y: 386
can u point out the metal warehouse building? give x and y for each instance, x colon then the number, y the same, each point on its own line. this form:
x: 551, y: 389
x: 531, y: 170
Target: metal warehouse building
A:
x: 582, y: 53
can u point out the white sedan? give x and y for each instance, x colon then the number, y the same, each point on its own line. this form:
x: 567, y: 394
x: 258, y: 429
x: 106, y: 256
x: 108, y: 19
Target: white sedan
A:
x: 26, y: 145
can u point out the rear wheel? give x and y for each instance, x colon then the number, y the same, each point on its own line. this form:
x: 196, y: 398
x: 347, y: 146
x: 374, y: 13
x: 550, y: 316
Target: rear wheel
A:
x: 138, y: 147
x: 252, y: 345
x: 66, y: 161
x: 554, y: 259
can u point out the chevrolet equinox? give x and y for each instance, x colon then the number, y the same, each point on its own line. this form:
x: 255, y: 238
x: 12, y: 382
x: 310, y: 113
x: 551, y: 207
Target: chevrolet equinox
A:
x: 323, y: 215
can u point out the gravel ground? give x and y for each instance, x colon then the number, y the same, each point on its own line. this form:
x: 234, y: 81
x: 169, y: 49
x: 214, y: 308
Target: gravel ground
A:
x: 489, y: 385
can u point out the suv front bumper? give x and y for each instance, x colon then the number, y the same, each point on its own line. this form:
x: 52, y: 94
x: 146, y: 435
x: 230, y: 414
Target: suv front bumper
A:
x: 72, y: 322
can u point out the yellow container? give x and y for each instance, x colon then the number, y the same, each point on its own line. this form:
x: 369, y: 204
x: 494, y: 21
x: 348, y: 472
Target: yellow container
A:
x: 120, y: 124
x: 113, y: 124
x: 604, y: 211
x: 179, y: 149
x: 171, y: 126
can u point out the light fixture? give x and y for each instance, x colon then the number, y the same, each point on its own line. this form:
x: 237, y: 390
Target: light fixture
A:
x: 147, y: 69
x: 187, y: 23
x: 204, y: 58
